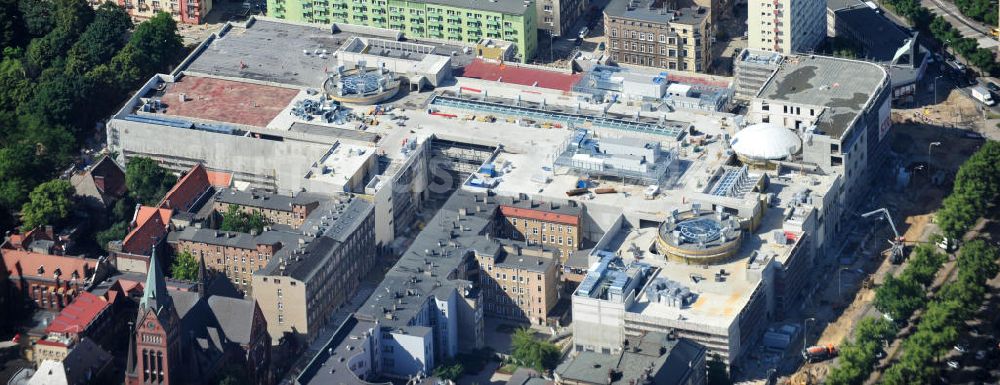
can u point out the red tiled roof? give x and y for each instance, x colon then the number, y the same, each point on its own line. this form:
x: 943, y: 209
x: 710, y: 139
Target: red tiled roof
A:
x: 23, y: 263
x: 539, y: 215
x: 77, y: 317
x: 511, y: 73
x: 187, y: 190
x: 17, y: 241
x: 150, y: 225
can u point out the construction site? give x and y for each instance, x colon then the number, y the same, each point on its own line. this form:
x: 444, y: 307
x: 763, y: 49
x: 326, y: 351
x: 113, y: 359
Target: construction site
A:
x: 931, y: 144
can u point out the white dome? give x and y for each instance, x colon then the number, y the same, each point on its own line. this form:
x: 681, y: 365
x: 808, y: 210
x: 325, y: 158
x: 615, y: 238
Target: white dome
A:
x: 766, y: 141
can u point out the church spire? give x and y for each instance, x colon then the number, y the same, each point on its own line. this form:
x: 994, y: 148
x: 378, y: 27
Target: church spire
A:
x: 155, y: 294
x: 202, y: 278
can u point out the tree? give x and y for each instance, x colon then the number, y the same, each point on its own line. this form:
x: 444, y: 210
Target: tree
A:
x: 11, y: 28
x: 924, y: 265
x: 156, y: 41
x: 36, y: 16
x: 235, y: 219
x: 101, y: 40
x: 116, y: 232
x: 978, y: 259
x: 533, y: 353
x: 717, y: 372
x: 449, y: 371
x: 899, y: 297
x: 146, y: 181
x: 185, y: 267
x: 49, y: 203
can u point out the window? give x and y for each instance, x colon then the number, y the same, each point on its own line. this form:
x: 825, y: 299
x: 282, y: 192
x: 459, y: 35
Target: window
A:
x: 614, y: 32
x: 279, y: 293
x: 569, y: 241
x: 663, y: 38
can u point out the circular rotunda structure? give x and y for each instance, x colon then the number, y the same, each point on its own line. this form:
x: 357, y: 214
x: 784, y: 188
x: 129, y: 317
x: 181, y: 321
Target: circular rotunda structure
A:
x: 699, y: 237
x: 763, y: 143
x: 361, y: 85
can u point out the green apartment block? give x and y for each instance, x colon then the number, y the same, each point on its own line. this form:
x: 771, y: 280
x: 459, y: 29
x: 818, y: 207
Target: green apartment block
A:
x: 467, y: 21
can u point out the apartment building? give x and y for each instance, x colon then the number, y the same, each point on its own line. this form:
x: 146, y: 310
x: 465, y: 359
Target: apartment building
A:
x: 554, y: 225
x: 304, y: 283
x: 184, y: 11
x: 786, y: 26
x: 235, y: 255
x: 453, y: 20
x: 558, y: 17
x: 654, y: 33
x: 519, y: 283
x: 278, y: 209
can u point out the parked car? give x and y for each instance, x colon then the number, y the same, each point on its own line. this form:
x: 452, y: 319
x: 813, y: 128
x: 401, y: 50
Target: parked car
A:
x: 953, y: 364
x: 993, y: 87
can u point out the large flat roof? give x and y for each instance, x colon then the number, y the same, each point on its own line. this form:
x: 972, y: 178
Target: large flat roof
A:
x: 844, y: 87
x: 225, y: 100
x: 280, y: 52
x: 270, y: 51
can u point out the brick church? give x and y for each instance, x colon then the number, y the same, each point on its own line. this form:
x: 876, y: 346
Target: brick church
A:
x: 184, y: 337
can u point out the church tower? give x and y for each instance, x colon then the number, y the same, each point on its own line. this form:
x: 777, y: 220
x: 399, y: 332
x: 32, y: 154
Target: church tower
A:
x: 154, y: 352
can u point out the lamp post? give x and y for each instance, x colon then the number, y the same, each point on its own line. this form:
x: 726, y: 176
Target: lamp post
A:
x: 930, y: 146
x: 840, y: 283
x: 805, y: 331
x: 936, y: 88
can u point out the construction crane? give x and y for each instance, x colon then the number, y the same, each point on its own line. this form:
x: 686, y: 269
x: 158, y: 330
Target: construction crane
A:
x: 896, y: 250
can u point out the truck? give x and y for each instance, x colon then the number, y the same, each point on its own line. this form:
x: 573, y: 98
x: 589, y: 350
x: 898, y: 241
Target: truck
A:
x: 983, y: 95
x: 819, y: 353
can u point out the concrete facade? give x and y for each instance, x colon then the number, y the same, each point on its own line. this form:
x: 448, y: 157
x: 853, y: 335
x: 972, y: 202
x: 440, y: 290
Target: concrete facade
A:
x: 558, y: 17
x: 786, y: 26
x: 304, y: 283
x: 183, y: 11
x: 449, y: 20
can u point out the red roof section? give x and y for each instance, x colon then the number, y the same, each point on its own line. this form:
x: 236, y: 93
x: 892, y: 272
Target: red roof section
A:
x: 539, y: 215
x: 77, y: 317
x: 150, y: 225
x: 23, y: 263
x: 220, y: 179
x: 187, y: 190
x: 507, y: 73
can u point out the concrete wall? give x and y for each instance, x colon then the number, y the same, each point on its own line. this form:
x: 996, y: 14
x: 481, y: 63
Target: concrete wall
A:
x: 270, y: 164
x: 295, y: 309
x: 598, y: 325
x: 408, y: 354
